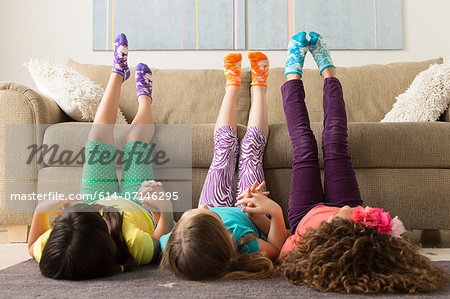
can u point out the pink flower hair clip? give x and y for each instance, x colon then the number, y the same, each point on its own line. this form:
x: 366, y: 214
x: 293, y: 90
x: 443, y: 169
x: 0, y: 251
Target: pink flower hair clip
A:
x: 379, y: 220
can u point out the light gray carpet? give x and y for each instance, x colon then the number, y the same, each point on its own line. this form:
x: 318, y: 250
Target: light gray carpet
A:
x: 25, y: 280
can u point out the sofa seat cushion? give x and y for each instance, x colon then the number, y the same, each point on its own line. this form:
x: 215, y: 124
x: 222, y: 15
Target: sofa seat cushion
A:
x: 172, y: 143
x: 371, y: 145
x: 374, y: 145
x: 185, y: 145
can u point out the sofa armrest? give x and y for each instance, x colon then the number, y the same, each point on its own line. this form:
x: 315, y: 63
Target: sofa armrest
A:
x: 446, y: 116
x: 22, y: 105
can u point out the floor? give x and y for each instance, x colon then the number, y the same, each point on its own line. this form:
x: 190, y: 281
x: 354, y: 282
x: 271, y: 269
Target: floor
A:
x: 14, y: 253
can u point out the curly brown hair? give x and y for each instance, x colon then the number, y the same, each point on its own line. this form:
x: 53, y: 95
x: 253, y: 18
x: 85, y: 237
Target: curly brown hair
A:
x: 346, y: 257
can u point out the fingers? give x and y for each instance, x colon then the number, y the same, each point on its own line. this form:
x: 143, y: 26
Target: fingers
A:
x: 255, y: 184
x: 250, y: 196
x: 151, y: 183
x: 250, y: 210
x: 149, y: 187
x: 144, y: 191
x: 241, y: 196
x: 246, y: 193
x: 146, y: 183
x: 260, y: 186
x: 244, y: 201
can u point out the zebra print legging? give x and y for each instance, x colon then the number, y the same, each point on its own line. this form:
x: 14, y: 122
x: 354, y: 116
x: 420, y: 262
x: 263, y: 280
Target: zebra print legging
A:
x: 219, y: 184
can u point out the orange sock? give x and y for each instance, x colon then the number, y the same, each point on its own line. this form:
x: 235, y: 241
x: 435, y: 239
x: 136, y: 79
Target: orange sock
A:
x: 232, y: 66
x: 260, y: 68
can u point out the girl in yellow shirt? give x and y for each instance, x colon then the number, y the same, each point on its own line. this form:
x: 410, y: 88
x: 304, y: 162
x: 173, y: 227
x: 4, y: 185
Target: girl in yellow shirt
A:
x: 112, y: 229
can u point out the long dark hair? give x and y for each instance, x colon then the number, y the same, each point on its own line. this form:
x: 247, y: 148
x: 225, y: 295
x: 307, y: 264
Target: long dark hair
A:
x: 201, y: 248
x: 346, y: 257
x: 81, y: 246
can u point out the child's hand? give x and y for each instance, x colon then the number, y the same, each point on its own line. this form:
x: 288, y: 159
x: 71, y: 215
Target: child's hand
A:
x: 248, y: 194
x: 55, y: 207
x: 255, y: 187
x: 153, y: 197
x: 259, y: 203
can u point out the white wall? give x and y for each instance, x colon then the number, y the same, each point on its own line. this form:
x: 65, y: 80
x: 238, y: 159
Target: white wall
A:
x: 62, y: 29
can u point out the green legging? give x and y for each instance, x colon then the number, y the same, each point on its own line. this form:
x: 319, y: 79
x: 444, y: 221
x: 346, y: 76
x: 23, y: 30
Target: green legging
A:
x: 99, y: 170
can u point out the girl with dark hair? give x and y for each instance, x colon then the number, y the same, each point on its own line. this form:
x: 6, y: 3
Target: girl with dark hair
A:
x: 112, y: 229
x: 337, y: 245
x: 217, y: 240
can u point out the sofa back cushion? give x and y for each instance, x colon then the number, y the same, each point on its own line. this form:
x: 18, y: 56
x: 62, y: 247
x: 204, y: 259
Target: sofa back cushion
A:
x: 369, y: 91
x: 180, y: 96
x: 195, y: 96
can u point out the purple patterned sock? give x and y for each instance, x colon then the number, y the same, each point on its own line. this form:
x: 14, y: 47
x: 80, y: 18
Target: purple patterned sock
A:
x: 143, y: 80
x: 120, y: 65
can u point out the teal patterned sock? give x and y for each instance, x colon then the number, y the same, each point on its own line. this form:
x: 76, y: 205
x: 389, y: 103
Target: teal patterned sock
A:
x: 297, y: 49
x: 320, y: 52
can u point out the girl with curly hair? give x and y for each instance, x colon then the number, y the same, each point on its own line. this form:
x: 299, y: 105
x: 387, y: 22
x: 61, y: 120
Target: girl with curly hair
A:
x: 337, y: 245
x: 218, y: 240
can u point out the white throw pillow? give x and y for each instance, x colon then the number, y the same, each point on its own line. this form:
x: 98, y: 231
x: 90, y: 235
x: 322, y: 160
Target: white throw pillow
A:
x: 426, y: 99
x: 77, y: 95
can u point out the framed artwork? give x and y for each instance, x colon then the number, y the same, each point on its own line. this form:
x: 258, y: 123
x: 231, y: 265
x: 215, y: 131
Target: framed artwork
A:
x: 246, y: 24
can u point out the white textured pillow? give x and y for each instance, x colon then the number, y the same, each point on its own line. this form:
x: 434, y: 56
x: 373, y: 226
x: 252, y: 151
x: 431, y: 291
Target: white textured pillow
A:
x: 426, y: 99
x: 77, y: 95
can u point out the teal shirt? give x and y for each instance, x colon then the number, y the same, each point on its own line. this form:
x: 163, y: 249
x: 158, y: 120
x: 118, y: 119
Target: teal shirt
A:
x: 237, y: 223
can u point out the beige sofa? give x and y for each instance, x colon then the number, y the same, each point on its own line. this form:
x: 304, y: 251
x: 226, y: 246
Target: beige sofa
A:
x: 402, y: 167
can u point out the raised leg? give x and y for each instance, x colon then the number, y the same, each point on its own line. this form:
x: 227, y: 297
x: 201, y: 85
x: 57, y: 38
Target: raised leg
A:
x: 106, y: 115
x: 260, y: 71
x: 99, y: 171
x: 340, y: 185
x: 227, y: 114
x: 143, y: 125
x: 250, y: 167
x: 137, y: 152
x: 105, y: 118
x: 219, y: 183
x: 306, y: 186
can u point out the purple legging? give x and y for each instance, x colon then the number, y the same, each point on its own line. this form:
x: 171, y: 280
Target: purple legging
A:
x: 340, y: 185
x: 219, y: 184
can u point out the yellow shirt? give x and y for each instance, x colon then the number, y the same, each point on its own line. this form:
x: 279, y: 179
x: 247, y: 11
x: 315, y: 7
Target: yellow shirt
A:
x: 137, y: 230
